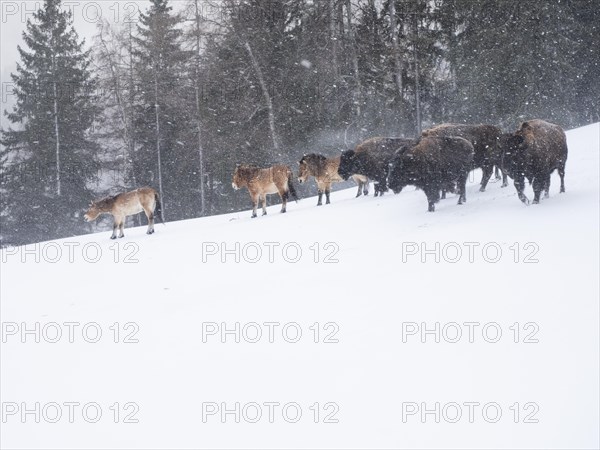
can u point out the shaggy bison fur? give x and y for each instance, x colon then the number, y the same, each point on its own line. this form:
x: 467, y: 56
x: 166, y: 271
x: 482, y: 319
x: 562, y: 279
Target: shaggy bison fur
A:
x: 434, y: 164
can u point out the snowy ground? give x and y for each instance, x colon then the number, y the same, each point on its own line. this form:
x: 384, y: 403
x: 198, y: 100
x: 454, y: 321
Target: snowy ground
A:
x: 369, y: 288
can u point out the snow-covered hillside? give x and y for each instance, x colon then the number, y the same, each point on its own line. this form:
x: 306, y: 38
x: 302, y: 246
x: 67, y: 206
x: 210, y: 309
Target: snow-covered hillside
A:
x: 358, y: 276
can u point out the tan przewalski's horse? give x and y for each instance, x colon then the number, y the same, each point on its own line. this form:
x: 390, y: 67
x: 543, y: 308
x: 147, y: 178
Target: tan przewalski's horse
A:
x: 127, y: 204
x: 261, y: 182
x: 325, y: 171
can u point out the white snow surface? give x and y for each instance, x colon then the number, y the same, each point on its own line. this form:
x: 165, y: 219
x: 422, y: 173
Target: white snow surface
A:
x: 374, y: 288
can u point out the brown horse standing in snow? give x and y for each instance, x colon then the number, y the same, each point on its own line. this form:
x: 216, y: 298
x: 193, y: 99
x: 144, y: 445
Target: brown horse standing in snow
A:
x: 325, y: 171
x: 261, y: 182
x: 127, y: 204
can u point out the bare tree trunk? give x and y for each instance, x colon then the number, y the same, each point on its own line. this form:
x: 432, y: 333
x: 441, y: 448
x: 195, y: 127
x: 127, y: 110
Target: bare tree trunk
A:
x: 56, y: 128
x: 158, y: 155
x: 198, y: 121
x: 211, y: 191
x: 336, y: 78
x: 396, y: 51
x: 417, y: 76
x: 340, y: 17
x: 353, y: 55
x: 261, y: 79
x: 131, y: 105
x: 333, y: 36
x: 266, y: 95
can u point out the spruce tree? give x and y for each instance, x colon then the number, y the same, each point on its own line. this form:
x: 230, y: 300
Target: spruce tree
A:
x: 48, y: 157
x: 163, y: 120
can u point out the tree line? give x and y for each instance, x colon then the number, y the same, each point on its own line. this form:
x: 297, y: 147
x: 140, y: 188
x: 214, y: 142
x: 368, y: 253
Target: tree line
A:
x: 175, y: 99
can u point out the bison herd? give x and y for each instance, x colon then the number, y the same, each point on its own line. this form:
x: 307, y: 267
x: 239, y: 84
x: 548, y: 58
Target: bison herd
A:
x: 438, y: 162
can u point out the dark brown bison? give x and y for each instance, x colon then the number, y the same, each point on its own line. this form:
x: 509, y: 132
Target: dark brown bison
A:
x: 434, y: 164
x: 485, y: 142
x: 371, y: 159
x: 534, y: 151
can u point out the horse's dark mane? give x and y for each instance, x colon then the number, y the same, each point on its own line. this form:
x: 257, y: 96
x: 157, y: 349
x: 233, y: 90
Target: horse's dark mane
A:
x: 312, y: 157
x: 247, y: 170
x: 106, y: 202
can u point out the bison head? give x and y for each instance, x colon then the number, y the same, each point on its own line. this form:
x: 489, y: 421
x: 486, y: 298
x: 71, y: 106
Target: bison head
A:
x: 397, y: 175
x: 349, y: 164
x: 512, y: 152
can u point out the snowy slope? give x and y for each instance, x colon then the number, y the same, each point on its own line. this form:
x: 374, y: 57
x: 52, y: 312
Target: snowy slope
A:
x: 371, y: 294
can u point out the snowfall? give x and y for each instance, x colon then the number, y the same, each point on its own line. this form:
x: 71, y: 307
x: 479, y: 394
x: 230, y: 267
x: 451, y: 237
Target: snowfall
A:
x: 367, y: 323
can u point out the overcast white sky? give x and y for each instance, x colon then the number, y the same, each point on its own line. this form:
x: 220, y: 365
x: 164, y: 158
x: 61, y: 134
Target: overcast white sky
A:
x: 86, y: 14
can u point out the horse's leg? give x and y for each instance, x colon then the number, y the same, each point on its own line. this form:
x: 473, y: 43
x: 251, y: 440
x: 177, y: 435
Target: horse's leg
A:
x: 150, y: 216
x: 255, y: 197
x: 115, y: 227
x: 561, y: 172
x: 327, y: 192
x: 366, y: 187
x: 321, y: 188
x: 120, y: 223
x: 264, y: 204
x: 284, y: 197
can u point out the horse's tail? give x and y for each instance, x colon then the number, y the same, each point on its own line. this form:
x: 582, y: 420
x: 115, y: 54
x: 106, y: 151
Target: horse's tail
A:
x: 158, y: 210
x: 291, y: 186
